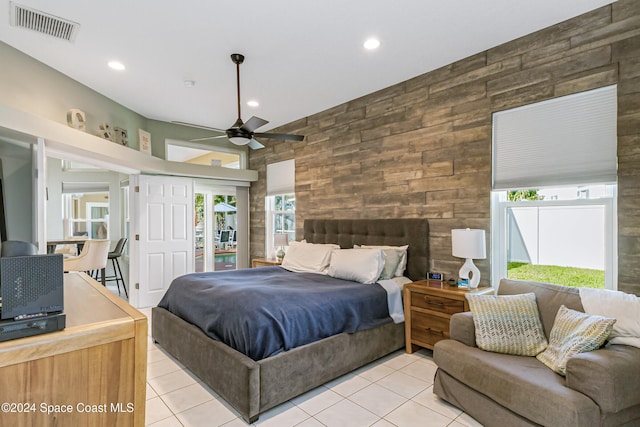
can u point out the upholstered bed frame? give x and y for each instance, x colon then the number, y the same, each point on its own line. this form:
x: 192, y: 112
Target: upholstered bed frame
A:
x: 252, y: 387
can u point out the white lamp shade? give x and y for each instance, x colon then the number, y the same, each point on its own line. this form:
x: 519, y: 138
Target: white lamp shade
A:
x: 468, y: 243
x: 281, y: 239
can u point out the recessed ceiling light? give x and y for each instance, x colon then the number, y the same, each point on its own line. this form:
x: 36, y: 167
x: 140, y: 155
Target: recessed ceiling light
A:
x: 189, y: 83
x: 115, y: 65
x: 371, y: 44
x: 253, y: 103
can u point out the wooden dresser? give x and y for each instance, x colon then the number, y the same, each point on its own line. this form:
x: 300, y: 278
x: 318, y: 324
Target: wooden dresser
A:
x: 92, y: 373
x: 428, y: 307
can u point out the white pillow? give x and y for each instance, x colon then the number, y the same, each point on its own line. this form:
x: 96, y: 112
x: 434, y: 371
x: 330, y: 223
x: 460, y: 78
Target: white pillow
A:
x: 359, y: 265
x: 333, y: 245
x: 392, y: 258
x: 623, y: 307
x: 307, y: 258
x: 402, y: 251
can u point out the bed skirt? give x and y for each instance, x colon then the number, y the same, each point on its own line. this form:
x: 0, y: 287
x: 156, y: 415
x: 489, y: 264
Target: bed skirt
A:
x: 253, y: 387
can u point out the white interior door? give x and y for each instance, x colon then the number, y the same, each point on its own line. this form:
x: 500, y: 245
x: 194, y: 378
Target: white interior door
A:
x: 163, y: 236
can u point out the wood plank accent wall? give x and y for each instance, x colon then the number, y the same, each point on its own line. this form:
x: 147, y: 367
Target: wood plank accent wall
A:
x: 422, y: 148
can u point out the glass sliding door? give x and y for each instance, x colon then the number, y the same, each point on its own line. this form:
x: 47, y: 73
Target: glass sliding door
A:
x: 216, y: 230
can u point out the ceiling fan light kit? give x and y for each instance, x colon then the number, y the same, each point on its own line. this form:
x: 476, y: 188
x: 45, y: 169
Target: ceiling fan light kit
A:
x: 241, y: 133
x: 239, y: 140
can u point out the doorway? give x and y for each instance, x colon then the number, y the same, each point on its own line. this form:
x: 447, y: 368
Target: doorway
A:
x: 216, y: 228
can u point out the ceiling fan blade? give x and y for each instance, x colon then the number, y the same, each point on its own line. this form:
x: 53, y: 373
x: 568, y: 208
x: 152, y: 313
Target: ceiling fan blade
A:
x: 191, y: 125
x: 254, y: 123
x: 281, y: 136
x: 254, y: 144
x: 206, y: 138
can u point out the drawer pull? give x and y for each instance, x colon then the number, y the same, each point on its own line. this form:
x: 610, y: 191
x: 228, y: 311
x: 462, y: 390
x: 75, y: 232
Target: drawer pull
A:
x: 428, y: 301
x: 434, y: 331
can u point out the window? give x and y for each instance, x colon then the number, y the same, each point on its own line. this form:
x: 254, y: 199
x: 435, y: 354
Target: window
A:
x: 281, y: 218
x: 203, y: 154
x: 563, y: 235
x: 553, y: 207
x: 86, y: 214
x: 280, y: 204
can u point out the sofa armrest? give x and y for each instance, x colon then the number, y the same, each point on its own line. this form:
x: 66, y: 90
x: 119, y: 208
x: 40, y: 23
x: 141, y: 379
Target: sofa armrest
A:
x: 609, y: 376
x: 461, y: 328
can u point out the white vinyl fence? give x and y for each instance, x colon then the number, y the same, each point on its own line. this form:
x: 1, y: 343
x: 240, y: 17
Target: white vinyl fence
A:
x: 568, y: 236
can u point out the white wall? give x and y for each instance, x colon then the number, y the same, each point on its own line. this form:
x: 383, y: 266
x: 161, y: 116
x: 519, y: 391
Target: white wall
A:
x: 17, y: 177
x: 29, y: 85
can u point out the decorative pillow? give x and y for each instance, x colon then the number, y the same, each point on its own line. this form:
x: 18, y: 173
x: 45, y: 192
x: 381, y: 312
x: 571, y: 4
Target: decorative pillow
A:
x: 359, y: 265
x: 625, y: 308
x: 307, y: 258
x: 507, y: 323
x: 402, y: 253
x: 573, y: 332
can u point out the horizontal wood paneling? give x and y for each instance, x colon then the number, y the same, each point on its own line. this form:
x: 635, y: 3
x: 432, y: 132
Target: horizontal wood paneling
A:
x: 422, y: 148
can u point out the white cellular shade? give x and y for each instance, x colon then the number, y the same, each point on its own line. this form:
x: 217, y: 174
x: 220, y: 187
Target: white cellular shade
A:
x: 281, y: 177
x: 563, y: 141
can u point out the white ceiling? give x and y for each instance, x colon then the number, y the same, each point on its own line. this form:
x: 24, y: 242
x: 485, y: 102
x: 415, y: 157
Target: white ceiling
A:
x: 302, y: 57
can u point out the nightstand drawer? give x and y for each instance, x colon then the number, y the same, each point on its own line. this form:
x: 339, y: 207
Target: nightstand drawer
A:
x: 428, y: 328
x: 436, y: 303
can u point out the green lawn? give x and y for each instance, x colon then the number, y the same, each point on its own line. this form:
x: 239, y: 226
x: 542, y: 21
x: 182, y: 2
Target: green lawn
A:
x: 568, y: 276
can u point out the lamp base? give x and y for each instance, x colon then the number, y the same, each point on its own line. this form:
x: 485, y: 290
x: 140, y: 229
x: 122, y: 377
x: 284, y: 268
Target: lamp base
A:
x: 280, y: 255
x: 469, y: 268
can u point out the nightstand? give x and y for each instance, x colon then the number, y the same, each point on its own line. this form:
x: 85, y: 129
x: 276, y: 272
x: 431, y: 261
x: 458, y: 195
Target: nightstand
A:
x: 428, y: 307
x: 264, y: 262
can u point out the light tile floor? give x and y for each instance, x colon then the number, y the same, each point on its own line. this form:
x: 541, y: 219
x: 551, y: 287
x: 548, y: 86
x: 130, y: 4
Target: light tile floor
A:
x: 393, y: 391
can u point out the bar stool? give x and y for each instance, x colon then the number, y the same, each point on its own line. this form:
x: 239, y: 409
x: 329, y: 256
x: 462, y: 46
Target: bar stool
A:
x: 117, y: 273
x: 92, y: 258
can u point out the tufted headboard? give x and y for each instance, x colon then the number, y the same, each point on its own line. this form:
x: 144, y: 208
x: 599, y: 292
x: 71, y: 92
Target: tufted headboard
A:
x: 395, y: 232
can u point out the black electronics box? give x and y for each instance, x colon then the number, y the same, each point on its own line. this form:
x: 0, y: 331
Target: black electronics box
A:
x: 32, y: 291
x: 12, y: 329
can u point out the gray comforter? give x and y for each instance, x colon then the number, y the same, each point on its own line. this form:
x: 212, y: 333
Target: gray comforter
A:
x: 264, y: 311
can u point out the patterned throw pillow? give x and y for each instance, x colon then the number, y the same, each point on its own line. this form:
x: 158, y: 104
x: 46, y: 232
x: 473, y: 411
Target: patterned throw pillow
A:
x: 508, y: 323
x: 574, y: 332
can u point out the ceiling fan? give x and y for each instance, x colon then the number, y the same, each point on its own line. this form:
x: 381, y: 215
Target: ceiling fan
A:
x: 241, y: 133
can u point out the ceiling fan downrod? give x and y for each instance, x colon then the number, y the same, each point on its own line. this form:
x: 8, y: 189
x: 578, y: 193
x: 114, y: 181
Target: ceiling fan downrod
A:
x: 238, y: 59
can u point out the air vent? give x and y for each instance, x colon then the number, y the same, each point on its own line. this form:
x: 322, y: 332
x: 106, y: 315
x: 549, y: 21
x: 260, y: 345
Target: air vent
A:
x: 44, y: 23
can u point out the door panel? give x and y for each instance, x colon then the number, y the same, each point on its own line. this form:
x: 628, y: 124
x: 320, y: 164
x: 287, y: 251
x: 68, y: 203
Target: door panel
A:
x: 166, y: 241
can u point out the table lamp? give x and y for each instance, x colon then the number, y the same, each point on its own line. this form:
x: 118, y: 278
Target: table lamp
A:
x: 280, y: 240
x: 470, y: 244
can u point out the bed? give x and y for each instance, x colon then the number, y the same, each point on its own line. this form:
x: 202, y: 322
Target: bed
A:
x: 253, y: 387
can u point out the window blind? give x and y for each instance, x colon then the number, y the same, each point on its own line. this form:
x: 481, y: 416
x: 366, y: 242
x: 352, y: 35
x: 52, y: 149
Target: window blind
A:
x: 563, y: 141
x: 281, y: 177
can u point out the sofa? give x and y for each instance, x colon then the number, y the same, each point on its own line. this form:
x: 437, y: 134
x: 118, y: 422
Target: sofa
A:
x: 601, y: 387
